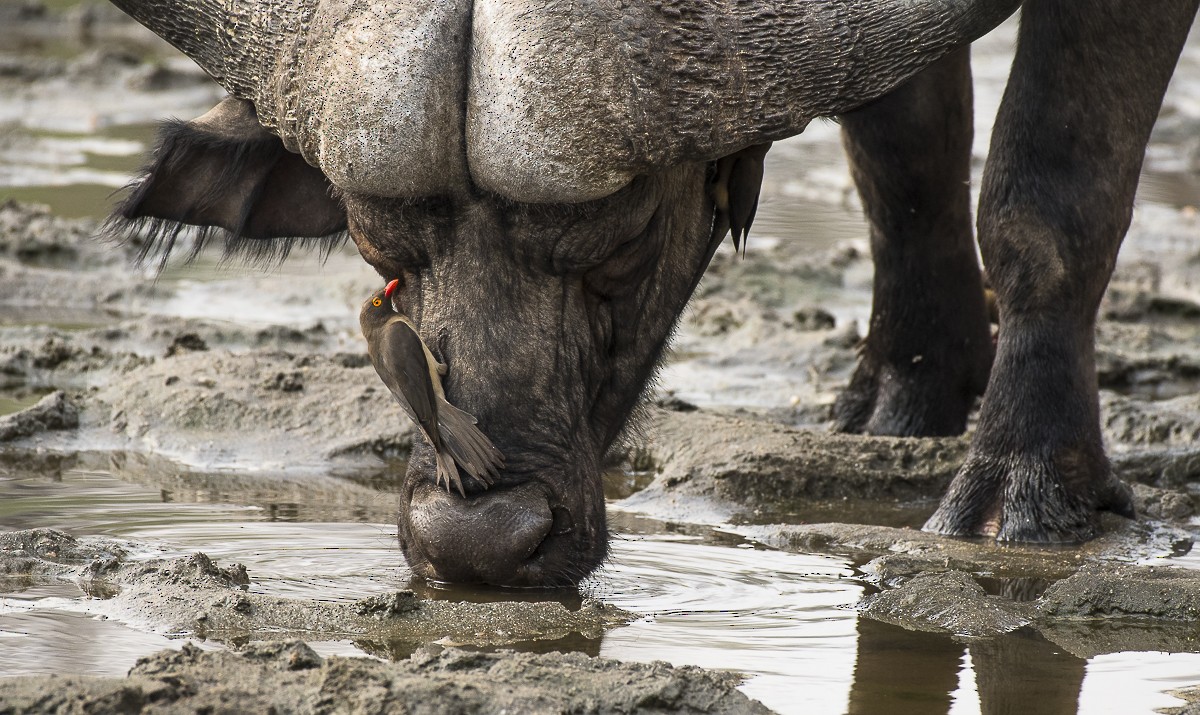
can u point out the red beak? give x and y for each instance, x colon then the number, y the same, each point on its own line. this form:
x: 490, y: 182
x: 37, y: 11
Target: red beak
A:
x: 391, y: 287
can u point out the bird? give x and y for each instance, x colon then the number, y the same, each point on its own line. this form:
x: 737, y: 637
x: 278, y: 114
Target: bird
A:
x: 734, y: 187
x: 414, y: 377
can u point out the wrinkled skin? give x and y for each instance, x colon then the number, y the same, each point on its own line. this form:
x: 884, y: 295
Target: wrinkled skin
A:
x: 551, y: 320
x: 588, y: 295
x: 548, y: 182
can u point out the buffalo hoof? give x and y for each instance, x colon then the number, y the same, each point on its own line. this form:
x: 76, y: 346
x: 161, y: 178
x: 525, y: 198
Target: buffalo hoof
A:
x: 1029, y: 499
x: 919, y: 399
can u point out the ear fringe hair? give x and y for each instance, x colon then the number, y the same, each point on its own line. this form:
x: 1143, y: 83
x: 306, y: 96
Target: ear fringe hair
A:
x: 156, y: 239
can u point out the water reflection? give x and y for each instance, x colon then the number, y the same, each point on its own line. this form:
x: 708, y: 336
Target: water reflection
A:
x: 903, y: 672
x: 18, y: 399
x: 1020, y: 589
x: 114, y: 492
x: 1024, y: 673
x: 48, y: 641
x: 705, y: 597
x: 783, y: 619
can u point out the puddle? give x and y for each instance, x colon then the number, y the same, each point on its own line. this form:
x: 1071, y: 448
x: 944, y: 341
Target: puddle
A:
x: 16, y: 400
x: 1178, y: 189
x: 1015, y: 589
x: 619, y: 484
x: 1156, y: 385
x: 60, y: 318
x: 782, y: 618
x: 49, y: 641
x: 705, y: 597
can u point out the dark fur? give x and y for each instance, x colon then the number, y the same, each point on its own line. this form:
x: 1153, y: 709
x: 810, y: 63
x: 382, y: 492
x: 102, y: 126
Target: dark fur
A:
x: 154, y: 215
x: 928, y: 352
x: 1085, y: 89
x: 551, y: 320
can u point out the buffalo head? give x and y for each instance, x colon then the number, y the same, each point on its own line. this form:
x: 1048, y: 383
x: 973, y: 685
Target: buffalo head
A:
x: 548, y: 181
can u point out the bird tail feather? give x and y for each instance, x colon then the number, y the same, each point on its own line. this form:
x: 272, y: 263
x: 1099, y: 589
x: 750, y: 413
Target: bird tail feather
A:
x: 447, y: 473
x: 467, y: 445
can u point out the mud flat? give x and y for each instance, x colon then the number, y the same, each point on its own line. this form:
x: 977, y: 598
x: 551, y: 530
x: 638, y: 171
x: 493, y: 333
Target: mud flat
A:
x: 288, y: 407
x: 290, y: 677
x: 193, y: 597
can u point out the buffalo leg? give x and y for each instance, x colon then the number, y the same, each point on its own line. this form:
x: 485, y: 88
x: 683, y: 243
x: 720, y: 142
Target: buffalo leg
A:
x: 928, y: 351
x: 1086, y: 85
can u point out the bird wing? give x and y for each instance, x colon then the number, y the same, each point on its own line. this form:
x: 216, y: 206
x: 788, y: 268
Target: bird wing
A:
x: 400, y: 360
x: 734, y: 189
x: 745, y: 183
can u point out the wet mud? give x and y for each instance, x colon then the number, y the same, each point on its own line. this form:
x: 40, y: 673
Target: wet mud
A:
x: 290, y: 677
x: 256, y: 390
x: 195, y: 597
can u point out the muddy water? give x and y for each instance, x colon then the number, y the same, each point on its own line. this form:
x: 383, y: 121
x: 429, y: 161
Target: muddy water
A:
x: 706, y: 598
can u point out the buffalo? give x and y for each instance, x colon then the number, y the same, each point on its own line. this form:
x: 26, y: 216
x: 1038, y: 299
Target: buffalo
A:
x: 549, y: 181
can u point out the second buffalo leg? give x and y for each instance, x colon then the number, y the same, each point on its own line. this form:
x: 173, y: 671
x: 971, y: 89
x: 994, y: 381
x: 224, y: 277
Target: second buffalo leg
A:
x: 927, y: 355
x: 1057, y: 195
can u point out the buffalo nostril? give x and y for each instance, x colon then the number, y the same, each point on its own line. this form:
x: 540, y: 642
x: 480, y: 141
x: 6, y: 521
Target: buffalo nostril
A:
x: 563, y: 523
x: 486, y: 537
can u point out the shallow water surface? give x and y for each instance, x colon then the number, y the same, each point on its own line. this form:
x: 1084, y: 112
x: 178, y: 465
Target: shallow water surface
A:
x: 705, y: 597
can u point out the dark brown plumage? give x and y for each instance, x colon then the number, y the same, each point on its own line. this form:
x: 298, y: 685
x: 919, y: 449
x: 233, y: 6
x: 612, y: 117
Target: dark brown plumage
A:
x: 414, y: 376
x: 734, y: 188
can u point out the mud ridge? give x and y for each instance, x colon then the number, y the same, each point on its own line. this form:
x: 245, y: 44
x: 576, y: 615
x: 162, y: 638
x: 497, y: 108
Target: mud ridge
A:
x: 290, y: 677
x: 194, y: 597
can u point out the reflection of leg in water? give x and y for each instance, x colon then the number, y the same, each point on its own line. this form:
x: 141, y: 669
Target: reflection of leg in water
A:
x: 1024, y: 589
x: 901, y: 672
x: 1025, y: 674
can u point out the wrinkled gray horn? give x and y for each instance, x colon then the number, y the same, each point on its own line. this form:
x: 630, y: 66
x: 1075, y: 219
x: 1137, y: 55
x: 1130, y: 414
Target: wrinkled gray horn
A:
x: 562, y: 101
x: 587, y: 95
x: 234, y: 41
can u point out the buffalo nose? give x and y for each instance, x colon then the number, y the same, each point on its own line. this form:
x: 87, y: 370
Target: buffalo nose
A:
x: 489, y: 536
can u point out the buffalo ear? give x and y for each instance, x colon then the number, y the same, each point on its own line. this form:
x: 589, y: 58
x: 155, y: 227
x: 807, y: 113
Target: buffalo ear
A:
x: 228, y: 176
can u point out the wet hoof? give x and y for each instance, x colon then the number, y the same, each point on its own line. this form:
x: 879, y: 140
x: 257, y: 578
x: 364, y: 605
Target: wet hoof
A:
x: 921, y: 400
x: 1027, y: 499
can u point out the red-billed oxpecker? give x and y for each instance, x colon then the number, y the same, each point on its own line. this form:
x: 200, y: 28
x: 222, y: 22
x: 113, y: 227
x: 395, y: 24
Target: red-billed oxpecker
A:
x: 414, y: 376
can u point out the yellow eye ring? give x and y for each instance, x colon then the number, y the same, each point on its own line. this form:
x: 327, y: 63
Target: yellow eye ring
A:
x: 376, y: 302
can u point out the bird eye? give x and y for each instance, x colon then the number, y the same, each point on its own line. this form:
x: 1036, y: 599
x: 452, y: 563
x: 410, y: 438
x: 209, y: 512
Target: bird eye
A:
x: 376, y: 302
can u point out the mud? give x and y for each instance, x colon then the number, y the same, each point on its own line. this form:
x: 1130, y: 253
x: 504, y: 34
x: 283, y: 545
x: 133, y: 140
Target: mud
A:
x: 290, y: 677
x: 208, y: 408
x: 1192, y: 696
x: 52, y: 412
x: 194, y: 597
x: 255, y: 389
x: 715, y: 468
